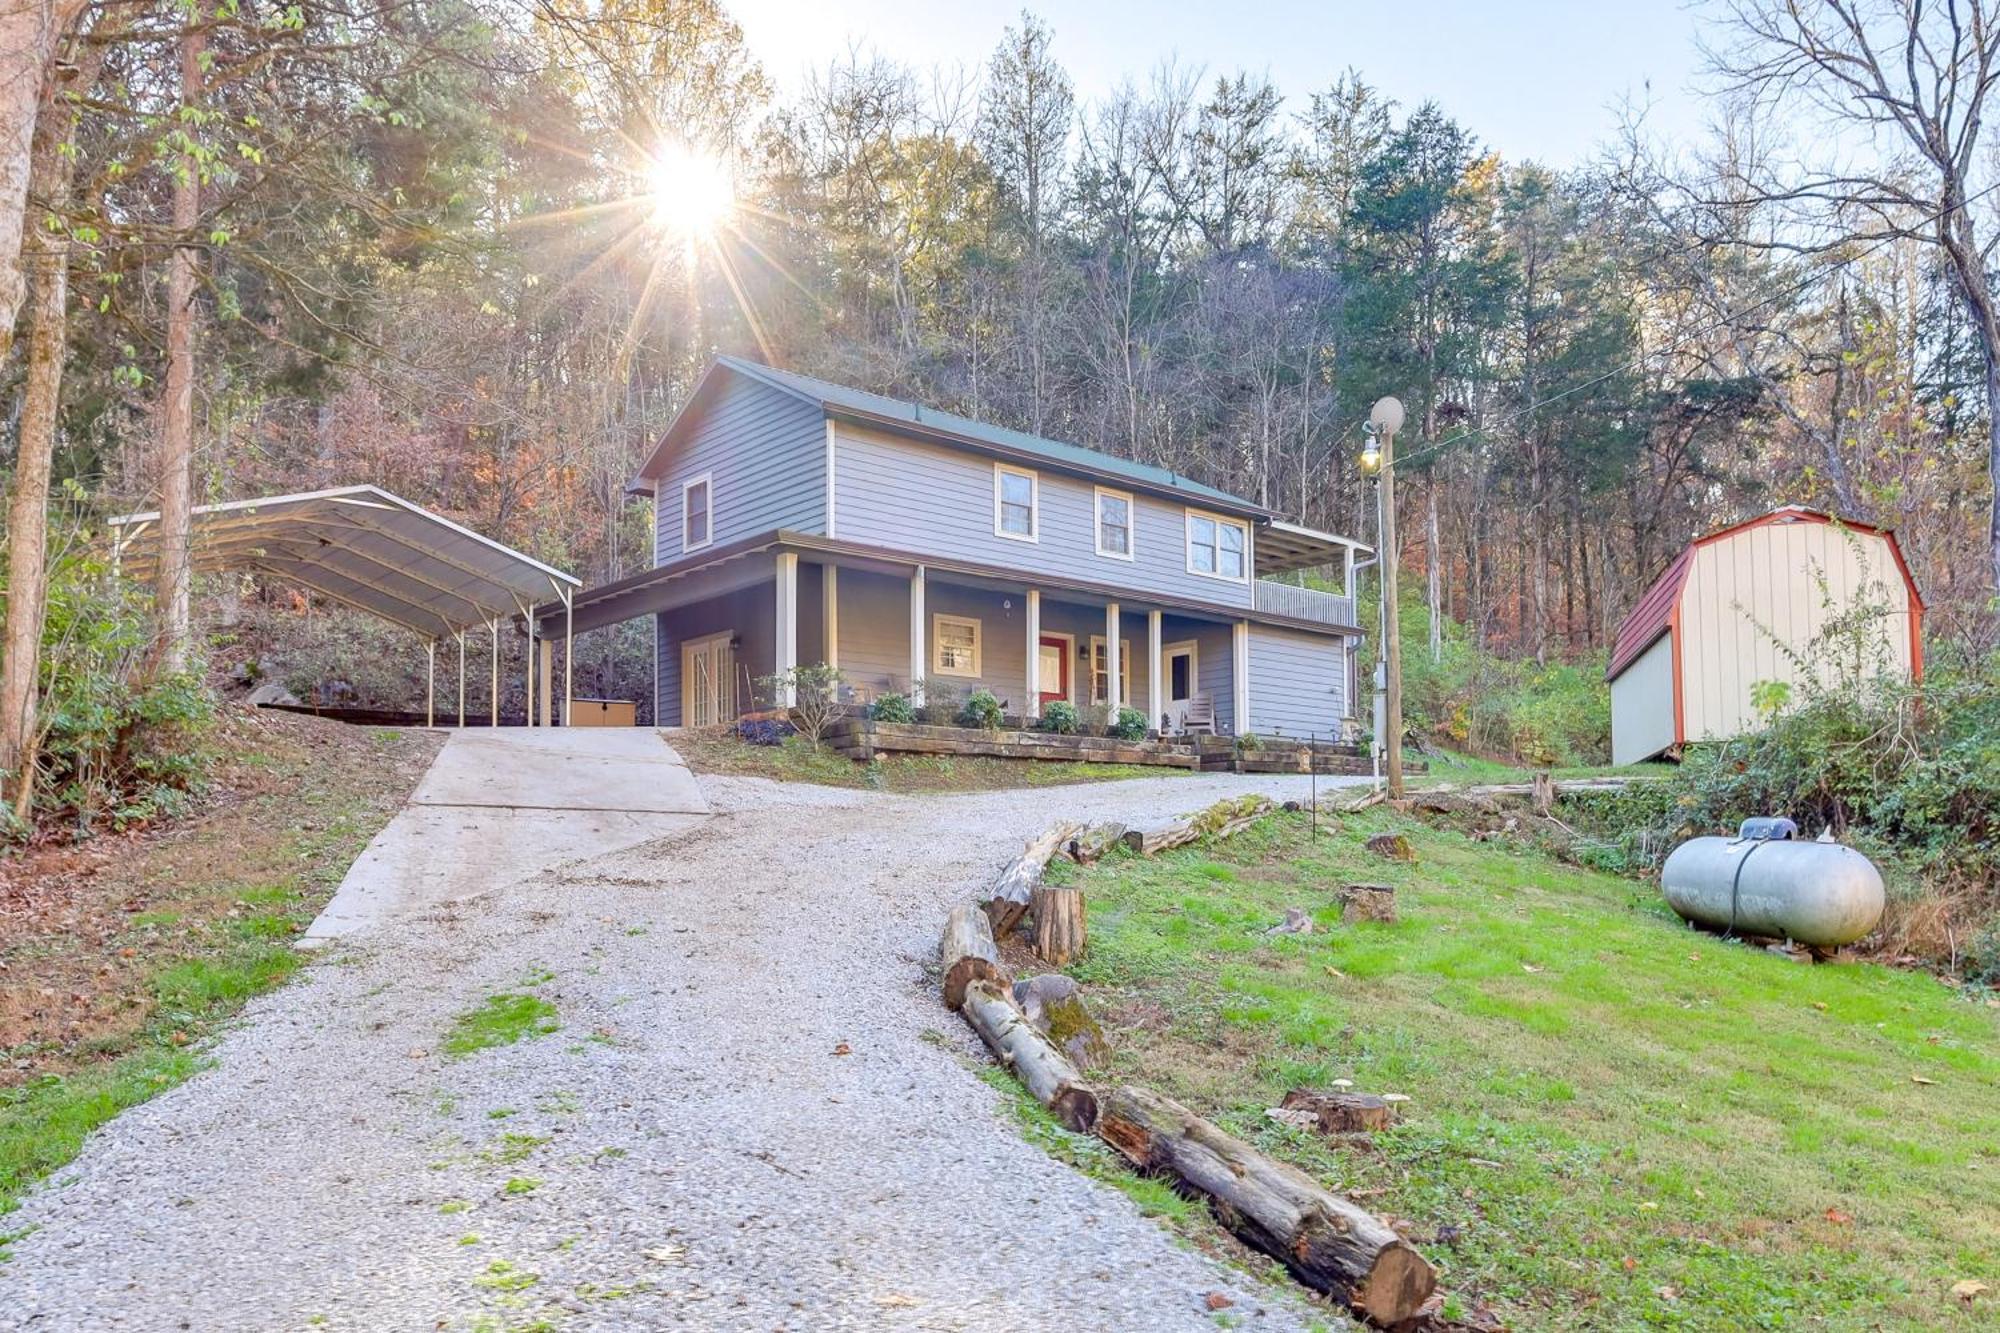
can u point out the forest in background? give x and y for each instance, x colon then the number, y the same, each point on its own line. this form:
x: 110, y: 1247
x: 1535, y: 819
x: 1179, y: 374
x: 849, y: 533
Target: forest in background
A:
x: 414, y: 242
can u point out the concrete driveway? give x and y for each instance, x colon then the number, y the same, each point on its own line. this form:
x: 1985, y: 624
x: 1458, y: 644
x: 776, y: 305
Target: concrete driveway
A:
x: 500, y: 804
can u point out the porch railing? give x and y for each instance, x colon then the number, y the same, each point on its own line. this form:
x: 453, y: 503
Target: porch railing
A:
x: 1285, y: 599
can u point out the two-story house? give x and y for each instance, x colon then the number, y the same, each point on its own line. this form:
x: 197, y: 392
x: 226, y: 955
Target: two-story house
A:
x: 799, y: 521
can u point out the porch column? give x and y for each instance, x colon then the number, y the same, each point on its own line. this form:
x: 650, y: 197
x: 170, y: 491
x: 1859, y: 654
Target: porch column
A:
x: 1240, y: 676
x: 548, y: 683
x: 1156, y: 693
x: 917, y: 644
x: 829, y: 598
x: 1347, y: 566
x: 1032, y: 707
x: 787, y: 639
x: 1112, y: 701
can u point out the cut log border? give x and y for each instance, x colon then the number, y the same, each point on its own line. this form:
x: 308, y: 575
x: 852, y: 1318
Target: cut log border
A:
x: 1327, y: 1242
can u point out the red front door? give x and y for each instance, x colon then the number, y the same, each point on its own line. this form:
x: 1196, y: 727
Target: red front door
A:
x: 1055, y: 669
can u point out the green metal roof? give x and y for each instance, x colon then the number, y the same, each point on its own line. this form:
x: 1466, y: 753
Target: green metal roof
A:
x: 930, y: 421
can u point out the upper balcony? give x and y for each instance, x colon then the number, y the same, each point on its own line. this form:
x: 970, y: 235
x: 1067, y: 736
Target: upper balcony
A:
x: 1285, y: 599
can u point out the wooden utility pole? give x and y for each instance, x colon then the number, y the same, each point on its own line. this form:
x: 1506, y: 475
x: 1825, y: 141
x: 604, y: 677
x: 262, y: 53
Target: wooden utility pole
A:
x: 1387, y: 418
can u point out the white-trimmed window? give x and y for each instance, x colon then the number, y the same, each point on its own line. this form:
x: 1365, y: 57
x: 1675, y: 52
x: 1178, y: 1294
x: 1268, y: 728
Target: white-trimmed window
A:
x: 1115, y: 517
x: 954, y: 645
x: 1016, y: 503
x: 1218, y: 547
x: 698, y: 512
x: 1099, y: 676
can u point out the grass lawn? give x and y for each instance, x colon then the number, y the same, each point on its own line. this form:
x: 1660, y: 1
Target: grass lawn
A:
x: 1614, y: 1122
x: 121, y: 956
x: 1454, y: 769
x: 719, y: 751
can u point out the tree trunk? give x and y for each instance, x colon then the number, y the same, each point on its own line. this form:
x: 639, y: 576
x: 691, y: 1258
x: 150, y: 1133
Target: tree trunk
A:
x: 1059, y: 924
x: 46, y: 252
x: 968, y: 954
x: 29, y: 30
x: 1015, y: 888
x: 170, y: 598
x: 1043, y: 1069
x: 1327, y: 1242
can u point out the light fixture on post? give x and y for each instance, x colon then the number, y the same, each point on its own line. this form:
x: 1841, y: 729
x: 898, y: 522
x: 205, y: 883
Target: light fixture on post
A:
x: 1378, y: 460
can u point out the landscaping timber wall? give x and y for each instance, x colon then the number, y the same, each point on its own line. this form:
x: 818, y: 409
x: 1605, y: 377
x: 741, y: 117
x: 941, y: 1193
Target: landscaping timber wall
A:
x: 863, y: 738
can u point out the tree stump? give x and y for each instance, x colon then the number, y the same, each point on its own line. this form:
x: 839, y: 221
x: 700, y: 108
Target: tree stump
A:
x: 1014, y: 891
x: 1367, y: 902
x: 1059, y: 924
x: 1543, y: 794
x: 1392, y: 846
x: 1340, y: 1112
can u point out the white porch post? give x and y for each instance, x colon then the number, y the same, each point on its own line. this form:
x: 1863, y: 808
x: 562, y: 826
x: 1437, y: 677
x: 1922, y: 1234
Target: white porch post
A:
x: 1240, y: 676
x: 829, y: 597
x: 786, y: 654
x: 1112, y: 700
x: 1347, y: 564
x: 547, y: 691
x: 1032, y: 707
x: 917, y: 643
x: 1156, y: 694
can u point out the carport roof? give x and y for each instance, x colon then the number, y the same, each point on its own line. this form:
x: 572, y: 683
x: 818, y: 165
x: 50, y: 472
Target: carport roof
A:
x: 361, y: 546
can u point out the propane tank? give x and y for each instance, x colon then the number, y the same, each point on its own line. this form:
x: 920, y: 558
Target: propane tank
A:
x: 1817, y: 893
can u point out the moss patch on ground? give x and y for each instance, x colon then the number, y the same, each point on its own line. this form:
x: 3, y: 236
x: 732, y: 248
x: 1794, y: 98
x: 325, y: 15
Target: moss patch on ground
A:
x: 121, y: 956
x: 1614, y: 1121
x: 795, y: 760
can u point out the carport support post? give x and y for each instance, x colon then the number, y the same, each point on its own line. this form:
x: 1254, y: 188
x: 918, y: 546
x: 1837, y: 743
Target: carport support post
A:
x: 461, y: 679
x: 528, y: 679
x: 548, y: 682
x: 1112, y: 665
x: 430, y: 682
x: 569, y: 650
x: 1155, y: 694
x: 1033, y: 706
x: 785, y: 645
x: 917, y: 636
x: 493, y: 716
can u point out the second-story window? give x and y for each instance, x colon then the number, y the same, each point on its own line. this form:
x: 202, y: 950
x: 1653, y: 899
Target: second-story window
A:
x: 1114, y: 524
x: 1014, y: 503
x: 697, y: 522
x: 1218, y: 547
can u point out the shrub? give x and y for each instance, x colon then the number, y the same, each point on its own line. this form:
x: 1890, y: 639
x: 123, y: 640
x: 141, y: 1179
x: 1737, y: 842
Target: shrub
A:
x: 1249, y: 742
x: 1059, y: 717
x: 1130, y: 726
x: 942, y: 700
x: 815, y: 692
x: 763, y: 731
x: 892, y: 708
x: 981, y: 710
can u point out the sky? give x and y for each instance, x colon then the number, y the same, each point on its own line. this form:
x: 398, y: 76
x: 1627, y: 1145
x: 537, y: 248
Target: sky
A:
x: 1534, y: 79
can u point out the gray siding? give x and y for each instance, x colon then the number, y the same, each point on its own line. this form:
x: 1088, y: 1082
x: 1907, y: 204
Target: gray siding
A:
x: 1642, y: 704
x: 875, y: 631
x: 751, y: 612
x: 766, y: 451
x: 1298, y: 682
x: 936, y: 501
x: 1215, y: 654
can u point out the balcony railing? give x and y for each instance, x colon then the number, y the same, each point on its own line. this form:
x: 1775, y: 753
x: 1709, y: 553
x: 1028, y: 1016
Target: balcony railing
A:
x: 1285, y: 599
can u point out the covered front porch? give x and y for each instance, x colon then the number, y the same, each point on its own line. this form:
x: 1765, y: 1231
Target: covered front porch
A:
x: 937, y: 633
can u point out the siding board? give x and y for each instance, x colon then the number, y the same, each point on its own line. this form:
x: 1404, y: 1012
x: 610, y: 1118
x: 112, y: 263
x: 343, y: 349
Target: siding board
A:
x: 766, y: 451
x: 1298, y: 682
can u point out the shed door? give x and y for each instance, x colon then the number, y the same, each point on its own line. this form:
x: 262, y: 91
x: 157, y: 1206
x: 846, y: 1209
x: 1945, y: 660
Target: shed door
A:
x: 708, y: 681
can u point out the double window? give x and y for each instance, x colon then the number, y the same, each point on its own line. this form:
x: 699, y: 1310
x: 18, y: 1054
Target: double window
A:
x: 954, y: 645
x: 1114, y: 523
x: 697, y: 512
x: 1016, y: 503
x: 1100, y: 676
x: 1217, y: 547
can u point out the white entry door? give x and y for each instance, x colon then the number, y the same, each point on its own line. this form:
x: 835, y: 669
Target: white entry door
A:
x: 708, y: 680
x: 1182, y: 667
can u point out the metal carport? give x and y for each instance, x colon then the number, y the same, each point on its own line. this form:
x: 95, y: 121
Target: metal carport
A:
x: 379, y: 554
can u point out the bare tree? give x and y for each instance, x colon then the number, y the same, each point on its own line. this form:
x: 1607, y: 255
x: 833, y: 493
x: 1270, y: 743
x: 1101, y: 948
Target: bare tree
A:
x: 177, y: 415
x: 29, y: 31
x: 1915, y: 77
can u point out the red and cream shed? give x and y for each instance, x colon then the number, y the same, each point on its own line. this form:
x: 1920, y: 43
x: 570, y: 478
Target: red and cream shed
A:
x: 1734, y: 608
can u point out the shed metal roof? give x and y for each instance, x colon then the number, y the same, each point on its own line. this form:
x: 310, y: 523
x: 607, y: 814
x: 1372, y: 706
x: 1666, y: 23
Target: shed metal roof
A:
x: 361, y: 546
x: 897, y: 414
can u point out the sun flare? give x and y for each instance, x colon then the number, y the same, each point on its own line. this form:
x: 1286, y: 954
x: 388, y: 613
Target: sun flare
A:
x: 690, y: 192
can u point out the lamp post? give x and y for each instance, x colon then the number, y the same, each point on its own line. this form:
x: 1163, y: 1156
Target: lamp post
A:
x: 1378, y: 460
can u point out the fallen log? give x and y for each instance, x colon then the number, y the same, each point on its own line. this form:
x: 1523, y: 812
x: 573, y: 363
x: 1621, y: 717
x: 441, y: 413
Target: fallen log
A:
x: 1094, y: 842
x: 1054, y: 1004
x: 1014, y: 890
x: 1220, y: 820
x: 1327, y: 1242
x: 968, y: 953
x: 1043, y: 1069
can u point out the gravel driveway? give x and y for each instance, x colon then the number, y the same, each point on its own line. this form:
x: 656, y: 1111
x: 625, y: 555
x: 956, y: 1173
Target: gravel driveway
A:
x: 688, y: 1151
